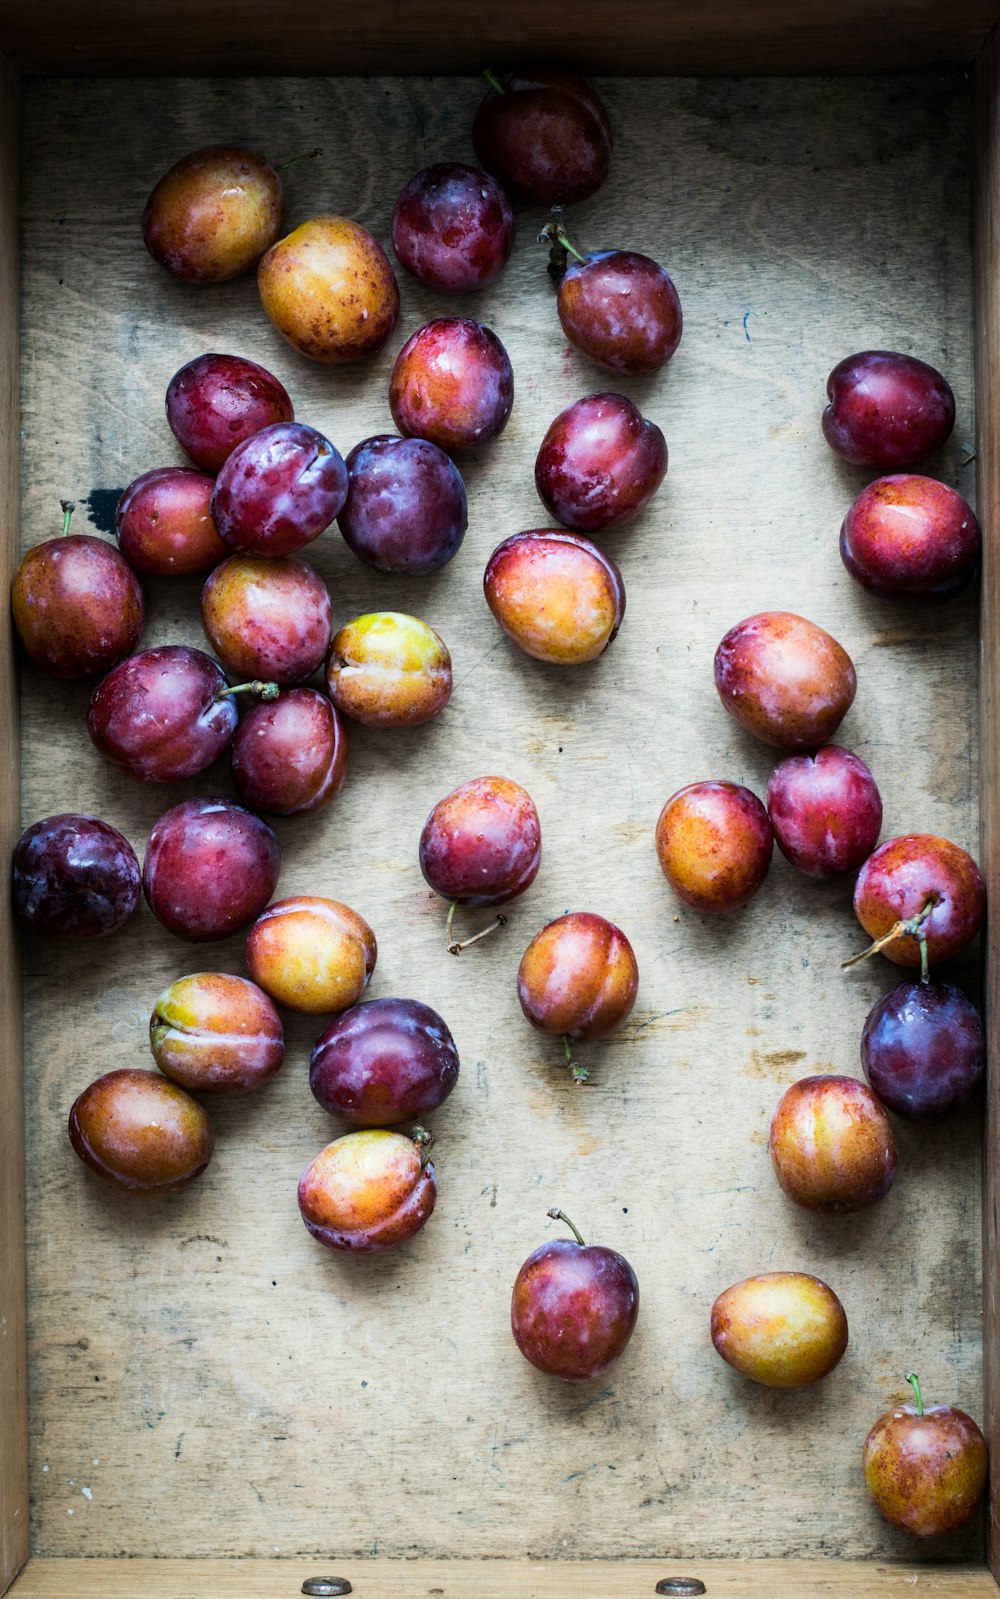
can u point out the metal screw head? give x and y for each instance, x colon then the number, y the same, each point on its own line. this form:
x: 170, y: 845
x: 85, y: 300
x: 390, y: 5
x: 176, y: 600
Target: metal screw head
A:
x: 679, y: 1585
x: 325, y: 1587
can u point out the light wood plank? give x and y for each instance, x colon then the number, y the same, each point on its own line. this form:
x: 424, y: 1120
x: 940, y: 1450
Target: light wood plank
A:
x: 507, y: 1579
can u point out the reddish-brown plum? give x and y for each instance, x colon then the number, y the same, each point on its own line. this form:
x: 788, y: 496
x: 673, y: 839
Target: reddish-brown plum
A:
x: 912, y: 536
x: 544, y: 132
x: 621, y: 310
x: 453, y: 227
x: 312, y: 954
x: 369, y: 1190
x: 482, y: 844
x: 925, y: 1469
x: 77, y: 604
x: 886, y: 410
x: 574, y: 1307
x: 406, y: 508
x: 714, y: 845
x: 556, y: 594
x: 164, y: 525
x: 784, y: 1329
x: 74, y: 877
x: 140, y: 1132
x: 216, y: 1034
x: 329, y: 290
x: 920, y: 884
x: 217, y: 401
x: 785, y: 680
x: 578, y: 977
x: 213, y: 214
x: 923, y: 1050
x: 389, y: 670
x: 383, y: 1062
x: 165, y: 714
x: 826, y: 811
x: 600, y: 463
x: 832, y: 1144
x: 279, y: 490
x: 267, y: 617
x: 290, y: 756
x: 452, y: 384
x: 210, y: 868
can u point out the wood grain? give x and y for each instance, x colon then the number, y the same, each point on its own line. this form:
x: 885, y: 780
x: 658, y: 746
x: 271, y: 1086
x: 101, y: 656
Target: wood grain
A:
x: 206, y: 1381
x: 508, y: 1579
x: 61, y: 37
x: 13, y: 1321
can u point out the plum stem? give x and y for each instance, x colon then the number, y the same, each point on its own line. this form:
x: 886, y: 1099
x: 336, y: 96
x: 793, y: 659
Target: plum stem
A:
x: 68, y: 507
x: 423, y: 1140
x: 493, y: 80
x: 925, y: 970
x: 580, y: 1073
x: 914, y: 1382
x: 263, y: 691
x: 456, y: 948
x: 912, y: 927
x: 560, y: 1215
x: 306, y: 155
x: 554, y: 235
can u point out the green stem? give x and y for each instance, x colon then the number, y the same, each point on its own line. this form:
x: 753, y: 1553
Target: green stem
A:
x: 925, y: 970
x: 914, y: 1382
x: 910, y: 928
x: 423, y: 1140
x: 580, y: 1073
x: 263, y: 691
x: 68, y: 507
x: 493, y: 80
x: 560, y: 1215
x: 307, y: 155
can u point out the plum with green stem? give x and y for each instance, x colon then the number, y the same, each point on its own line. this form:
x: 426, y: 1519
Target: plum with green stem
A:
x: 919, y: 890
x: 370, y: 1190
x: 578, y: 980
x: 544, y: 132
x: 78, y: 607
x: 619, y: 308
x: 925, y: 1468
x: 574, y: 1306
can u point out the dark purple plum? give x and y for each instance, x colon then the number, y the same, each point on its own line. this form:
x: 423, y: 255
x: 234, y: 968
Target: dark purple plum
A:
x: 290, y: 756
x: 210, y: 868
x: 164, y: 525
x: 826, y: 811
x: 77, y: 604
x: 600, y: 463
x: 621, y: 310
x: 453, y: 227
x: 165, y: 714
x: 886, y: 410
x: 912, y: 536
x: 218, y: 401
x: 574, y: 1307
x: 923, y: 1050
x: 453, y: 384
x: 267, y: 617
x: 279, y: 490
x: 383, y: 1062
x: 544, y: 132
x: 74, y: 877
x: 406, y: 509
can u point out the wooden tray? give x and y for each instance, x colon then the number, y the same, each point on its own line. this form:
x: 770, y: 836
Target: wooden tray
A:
x: 211, y: 1393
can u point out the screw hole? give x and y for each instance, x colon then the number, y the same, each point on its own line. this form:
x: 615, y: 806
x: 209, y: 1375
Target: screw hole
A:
x: 680, y: 1585
x: 326, y: 1587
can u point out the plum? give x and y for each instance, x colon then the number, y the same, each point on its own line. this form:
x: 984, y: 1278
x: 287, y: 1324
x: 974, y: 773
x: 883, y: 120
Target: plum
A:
x: 383, y: 1062
x: 921, y: 898
x: 278, y: 490
x: 620, y: 309
x: 213, y: 214
x: 216, y: 1034
x: 481, y: 845
x: 923, y: 1050
x: 556, y: 595
x: 886, y: 410
x: 77, y: 604
x: 785, y: 680
x: 832, y: 1144
x: 600, y: 463
x: 289, y: 756
x: 574, y: 1307
x: 140, y: 1132
x: 311, y: 954
x: 784, y: 1329
x: 925, y: 1469
x: 911, y: 536
x: 210, y: 868
x: 578, y: 978
x: 163, y: 523
x: 329, y: 290
x: 389, y: 670
x: 453, y: 228
x: 826, y: 811
x: 74, y: 877
x: 369, y: 1190
x: 267, y: 617
x: 406, y: 509
x: 452, y: 383
x: 544, y: 132
x: 217, y: 401
x: 714, y: 844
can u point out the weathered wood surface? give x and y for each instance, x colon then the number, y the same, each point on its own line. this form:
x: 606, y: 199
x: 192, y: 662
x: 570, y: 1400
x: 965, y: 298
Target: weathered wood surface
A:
x: 206, y: 1380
